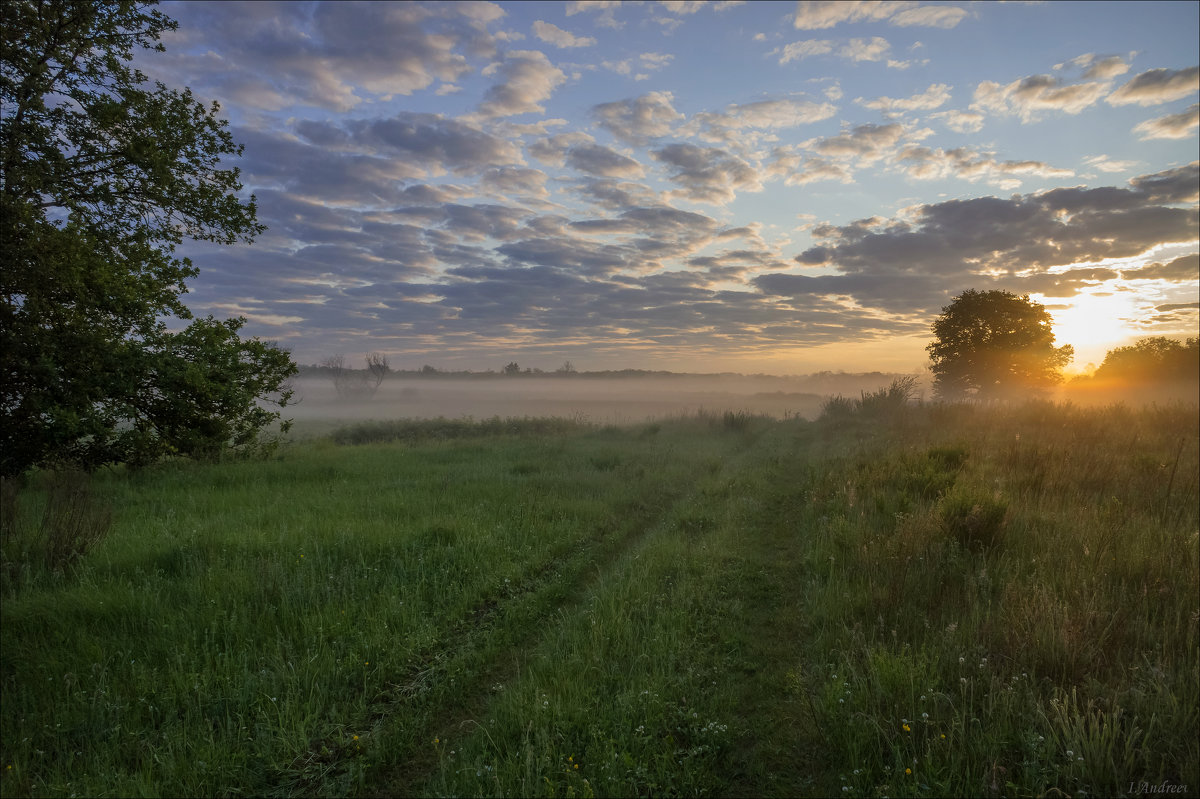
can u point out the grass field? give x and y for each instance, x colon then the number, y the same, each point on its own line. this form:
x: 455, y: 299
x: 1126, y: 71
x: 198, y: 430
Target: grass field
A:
x: 891, y: 600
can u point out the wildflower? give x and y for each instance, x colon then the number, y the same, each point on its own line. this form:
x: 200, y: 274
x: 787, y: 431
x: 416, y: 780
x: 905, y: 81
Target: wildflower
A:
x: 943, y: 736
x: 356, y: 737
x: 925, y: 716
x: 907, y: 728
x: 908, y: 771
x: 436, y: 741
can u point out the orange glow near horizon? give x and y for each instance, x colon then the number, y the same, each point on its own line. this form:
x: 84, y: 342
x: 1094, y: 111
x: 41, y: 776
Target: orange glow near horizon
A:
x: 1093, y: 324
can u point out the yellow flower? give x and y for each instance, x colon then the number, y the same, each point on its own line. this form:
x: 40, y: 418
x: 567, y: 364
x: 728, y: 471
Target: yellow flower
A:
x: 356, y: 737
x: 908, y: 771
x: 437, y: 741
x: 943, y: 736
x: 907, y: 728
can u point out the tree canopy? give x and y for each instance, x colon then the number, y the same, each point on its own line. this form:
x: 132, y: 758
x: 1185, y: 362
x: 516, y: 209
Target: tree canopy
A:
x: 991, y: 344
x: 1152, y: 360
x: 102, y: 176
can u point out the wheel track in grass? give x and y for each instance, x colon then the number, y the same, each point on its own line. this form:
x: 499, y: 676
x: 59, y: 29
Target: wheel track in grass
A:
x: 483, y: 648
x: 776, y: 755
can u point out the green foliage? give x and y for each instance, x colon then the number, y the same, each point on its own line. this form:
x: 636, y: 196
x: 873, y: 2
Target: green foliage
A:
x: 994, y: 344
x: 1152, y: 360
x: 101, y: 177
x: 72, y: 522
x: 974, y: 518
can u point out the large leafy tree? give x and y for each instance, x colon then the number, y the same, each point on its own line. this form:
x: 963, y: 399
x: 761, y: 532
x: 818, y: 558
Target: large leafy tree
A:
x: 991, y: 344
x: 102, y: 176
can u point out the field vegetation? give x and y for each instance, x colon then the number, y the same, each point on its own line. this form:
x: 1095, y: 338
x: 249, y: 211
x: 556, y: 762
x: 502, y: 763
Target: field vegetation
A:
x: 894, y: 599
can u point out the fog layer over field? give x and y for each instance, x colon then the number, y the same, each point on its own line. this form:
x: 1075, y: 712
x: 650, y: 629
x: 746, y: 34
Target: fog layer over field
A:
x: 597, y: 399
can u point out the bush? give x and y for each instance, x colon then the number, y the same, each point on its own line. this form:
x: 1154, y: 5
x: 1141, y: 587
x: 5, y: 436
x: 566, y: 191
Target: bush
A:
x: 884, y: 404
x: 974, y: 517
x: 73, y: 521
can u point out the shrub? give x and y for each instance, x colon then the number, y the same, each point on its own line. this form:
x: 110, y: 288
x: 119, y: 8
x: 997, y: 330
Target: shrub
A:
x: 975, y: 518
x: 73, y: 521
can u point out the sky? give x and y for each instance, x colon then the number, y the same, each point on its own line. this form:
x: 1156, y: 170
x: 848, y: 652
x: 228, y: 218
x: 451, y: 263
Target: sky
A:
x: 760, y: 187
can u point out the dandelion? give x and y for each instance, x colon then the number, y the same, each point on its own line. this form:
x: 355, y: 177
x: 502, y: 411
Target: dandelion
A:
x: 943, y: 736
x: 908, y: 771
x: 356, y: 737
x: 436, y: 741
x: 907, y: 728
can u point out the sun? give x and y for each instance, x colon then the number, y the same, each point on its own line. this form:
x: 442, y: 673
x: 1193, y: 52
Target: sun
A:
x: 1093, y: 324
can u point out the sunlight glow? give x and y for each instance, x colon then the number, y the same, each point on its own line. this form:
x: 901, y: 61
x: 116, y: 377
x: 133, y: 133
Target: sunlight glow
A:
x: 1093, y: 324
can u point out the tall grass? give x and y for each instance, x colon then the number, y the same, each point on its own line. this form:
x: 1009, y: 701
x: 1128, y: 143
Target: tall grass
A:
x: 901, y: 599
x: 1030, y: 626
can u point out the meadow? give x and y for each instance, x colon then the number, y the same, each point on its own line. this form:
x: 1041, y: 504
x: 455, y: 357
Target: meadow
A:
x: 892, y: 599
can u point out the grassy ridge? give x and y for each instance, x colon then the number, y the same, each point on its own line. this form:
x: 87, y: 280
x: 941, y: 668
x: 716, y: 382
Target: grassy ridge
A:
x: 889, y: 601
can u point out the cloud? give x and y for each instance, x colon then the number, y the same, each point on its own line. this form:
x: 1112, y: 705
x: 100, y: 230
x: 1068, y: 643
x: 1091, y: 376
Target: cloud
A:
x: 273, y: 56
x: 822, y: 14
x: 929, y: 17
x: 961, y: 121
x: 424, y: 143
x: 1097, y: 68
x: 1180, y: 270
x: 1178, y: 185
x: 804, y: 49
x: 937, y: 95
x: 594, y: 159
x: 639, y: 120
x: 1106, y: 164
x: 1029, y: 96
x: 508, y: 180
x: 1172, y: 126
x: 527, y: 80
x: 818, y: 15
x: 924, y: 163
x: 682, y: 7
x: 731, y: 124
x: 553, y: 149
x: 615, y: 195
x: 863, y: 143
x: 1157, y: 86
x: 964, y: 240
x: 552, y: 34
x: 873, y: 49
x: 646, y: 61
x: 707, y: 174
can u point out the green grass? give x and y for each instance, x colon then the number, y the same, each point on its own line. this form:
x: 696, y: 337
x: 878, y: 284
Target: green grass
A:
x: 892, y: 600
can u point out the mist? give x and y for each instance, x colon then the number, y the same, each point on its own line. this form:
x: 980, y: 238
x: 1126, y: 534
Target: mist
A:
x: 602, y: 400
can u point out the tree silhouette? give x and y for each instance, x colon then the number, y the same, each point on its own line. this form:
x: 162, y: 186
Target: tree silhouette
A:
x: 1152, y: 360
x: 992, y: 344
